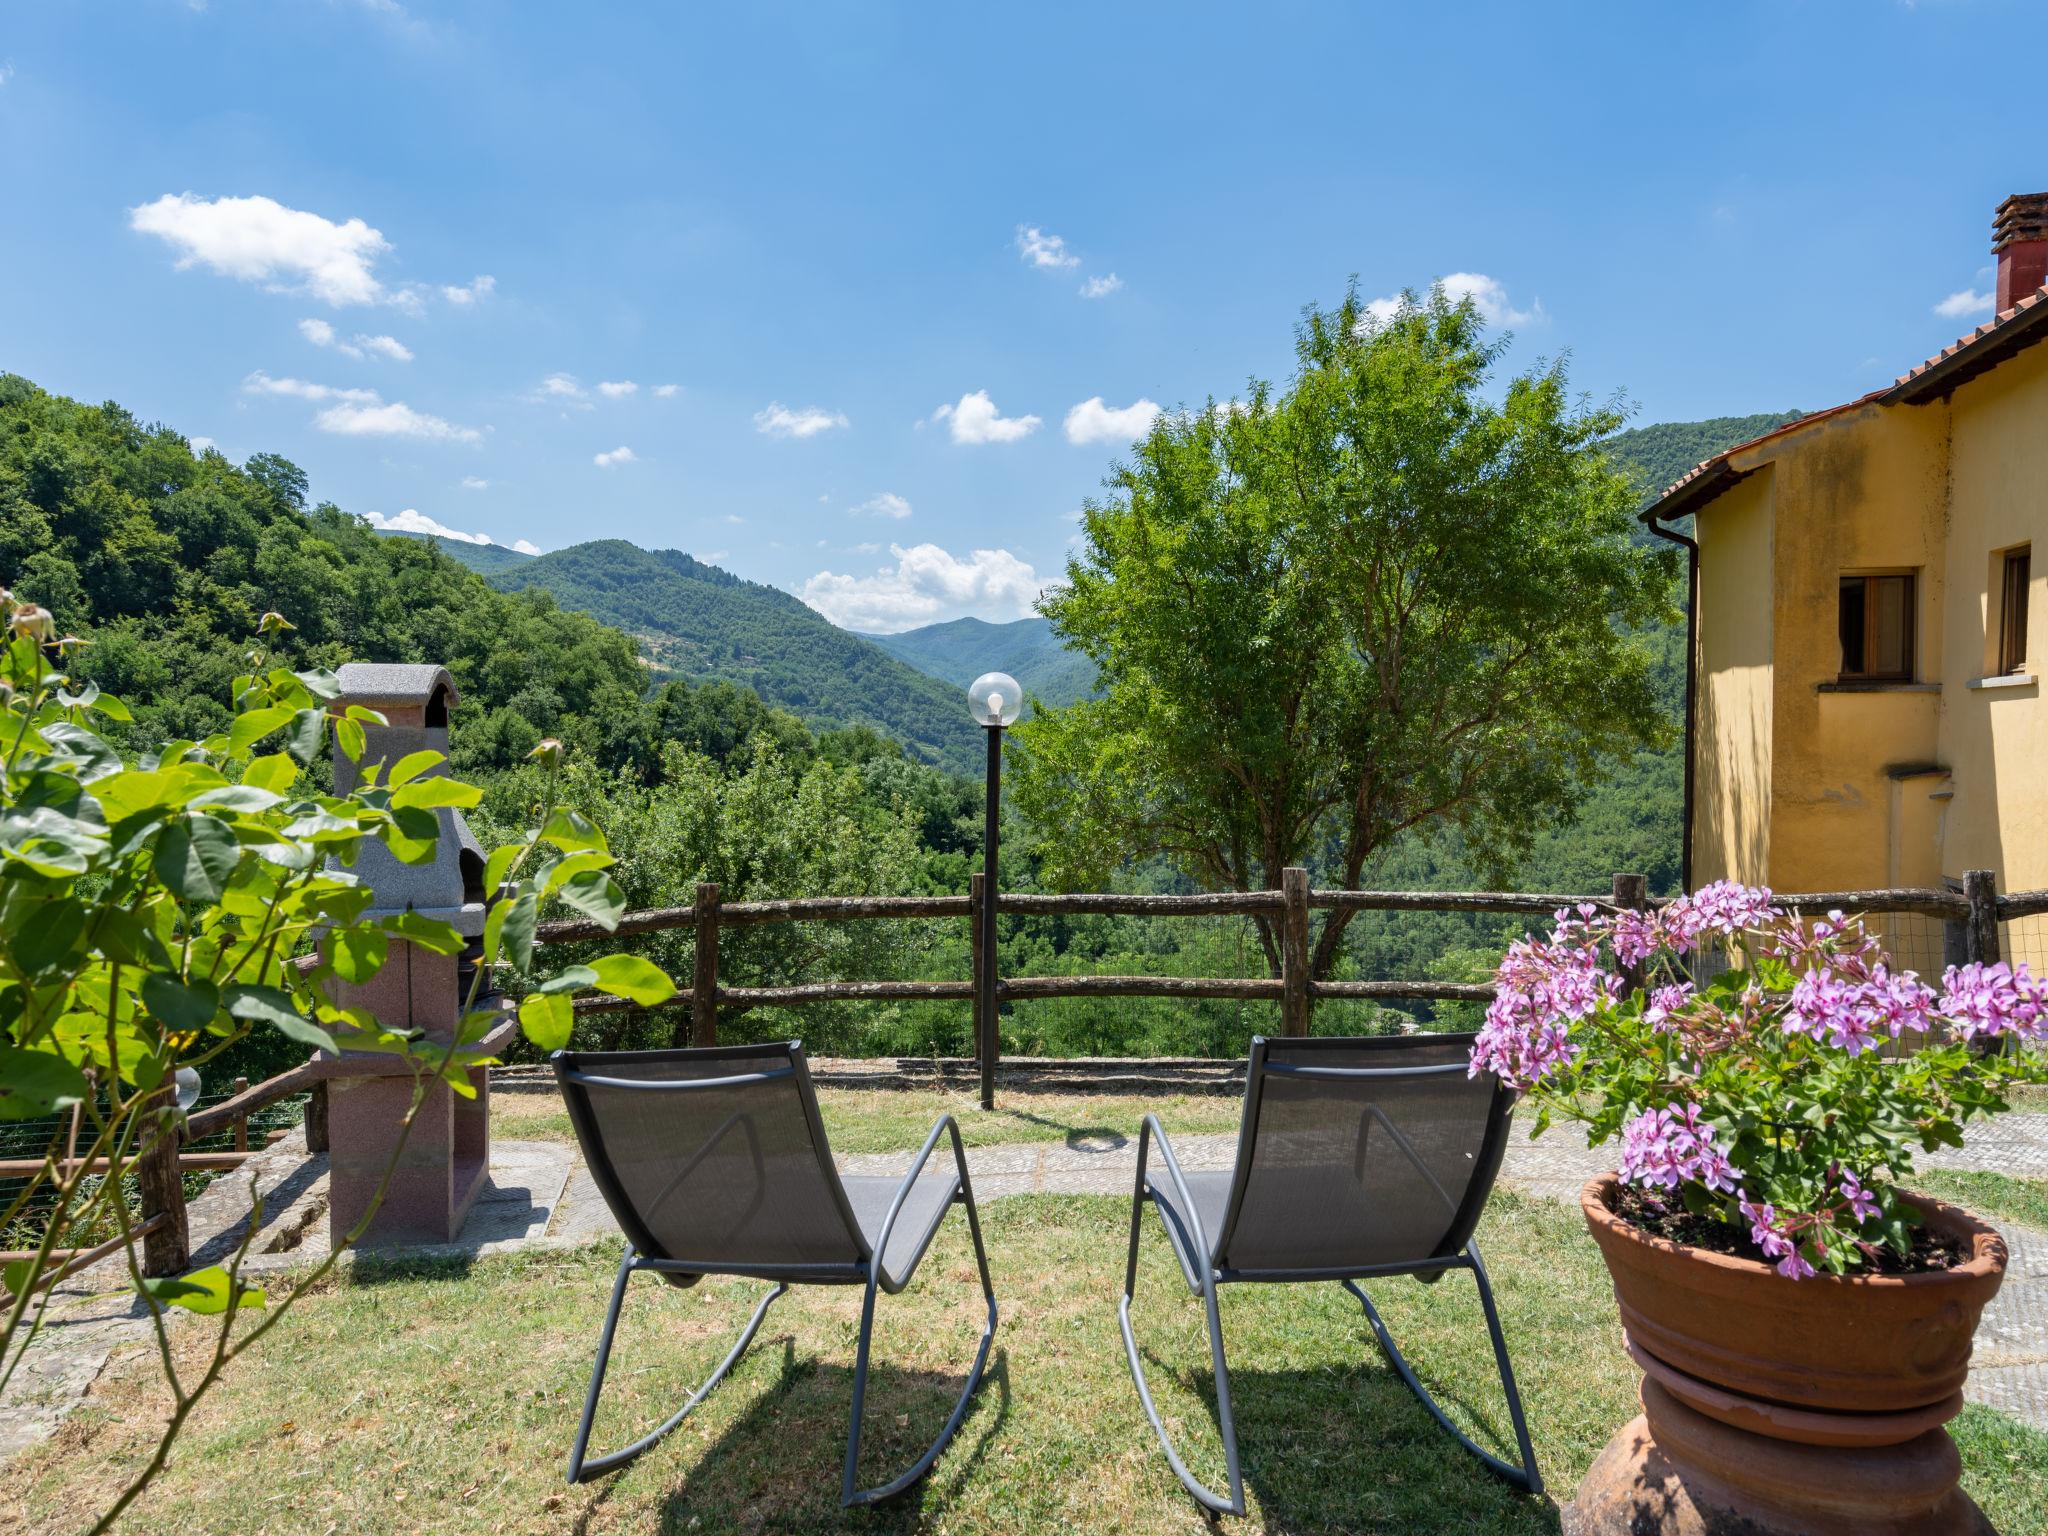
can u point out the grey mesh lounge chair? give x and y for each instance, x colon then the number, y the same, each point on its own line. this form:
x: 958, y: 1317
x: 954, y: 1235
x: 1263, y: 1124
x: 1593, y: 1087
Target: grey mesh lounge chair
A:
x: 715, y: 1163
x: 1356, y: 1159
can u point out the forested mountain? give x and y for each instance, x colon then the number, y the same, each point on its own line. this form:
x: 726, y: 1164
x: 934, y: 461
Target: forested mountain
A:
x: 1027, y: 649
x: 697, y: 621
x: 488, y: 559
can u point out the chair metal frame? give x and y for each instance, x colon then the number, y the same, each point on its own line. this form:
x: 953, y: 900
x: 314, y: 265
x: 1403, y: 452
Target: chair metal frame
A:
x: 869, y: 1269
x: 1205, y: 1275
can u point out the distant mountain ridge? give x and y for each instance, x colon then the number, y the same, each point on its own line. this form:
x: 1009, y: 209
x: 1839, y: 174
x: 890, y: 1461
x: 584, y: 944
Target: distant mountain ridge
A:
x: 960, y: 651
x: 484, y: 559
x: 698, y: 621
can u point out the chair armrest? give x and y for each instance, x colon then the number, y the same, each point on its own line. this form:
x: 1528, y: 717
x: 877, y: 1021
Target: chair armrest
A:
x: 945, y: 1123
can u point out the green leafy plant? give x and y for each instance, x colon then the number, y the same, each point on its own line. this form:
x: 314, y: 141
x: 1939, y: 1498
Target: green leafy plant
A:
x: 157, y: 909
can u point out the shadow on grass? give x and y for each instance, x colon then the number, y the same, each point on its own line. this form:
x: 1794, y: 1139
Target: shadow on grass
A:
x: 777, y: 1467
x: 1350, y: 1448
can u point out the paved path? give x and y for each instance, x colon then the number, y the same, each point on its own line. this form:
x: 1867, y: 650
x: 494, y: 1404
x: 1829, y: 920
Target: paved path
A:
x: 541, y: 1196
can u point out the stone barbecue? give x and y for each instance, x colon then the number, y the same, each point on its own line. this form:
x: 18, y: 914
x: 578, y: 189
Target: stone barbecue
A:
x: 447, y: 1156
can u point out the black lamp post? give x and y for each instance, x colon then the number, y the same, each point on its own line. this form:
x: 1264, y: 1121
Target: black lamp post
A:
x: 993, y: 699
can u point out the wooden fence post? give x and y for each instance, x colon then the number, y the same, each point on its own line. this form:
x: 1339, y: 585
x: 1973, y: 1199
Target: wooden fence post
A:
x: 1980, y: 929
x: 976, y: 883
x: 1632, y: 894
x: 704, y: 984
x: 167, y: 1249
x: 242, y: 1122
x: 1294, y: 999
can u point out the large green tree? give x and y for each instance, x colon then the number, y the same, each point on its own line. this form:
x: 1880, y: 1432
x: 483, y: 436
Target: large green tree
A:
x: 1392, y: 596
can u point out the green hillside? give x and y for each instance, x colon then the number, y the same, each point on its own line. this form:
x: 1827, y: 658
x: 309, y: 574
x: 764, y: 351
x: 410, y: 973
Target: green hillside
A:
x: 1660, y: 453
x: 698, y: 621
x: 165, y: 560
x: 484, y: 559
x: 1027, y: 649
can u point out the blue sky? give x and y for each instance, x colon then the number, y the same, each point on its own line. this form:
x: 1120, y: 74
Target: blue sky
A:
x: 844, y: 255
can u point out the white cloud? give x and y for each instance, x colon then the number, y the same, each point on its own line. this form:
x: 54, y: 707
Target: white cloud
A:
x: 526, y: 546
x: 477, y: 289
x: 1489, y: 294
x: 6, y: 73
x: 884, y: 504
x: 617, y: 389
x: 1042, y: 250
x: 619, y: 455
x: 261, y: 383
x: 475, y: 483
x: 1101, y: 287
x: 975, y: 420
x: 412, y: 520
x: 201, y: 444
x: 562, y: 386
x: 925, y: 584
x: 394, y: 420
x: 734, y: 518
x: 663, y: 391
x: 712, y: 556
x: 1094, y: 422
x: 258, y: 239
x: 321, y: 334
x: 778, y: 420
x: 1965, y: 301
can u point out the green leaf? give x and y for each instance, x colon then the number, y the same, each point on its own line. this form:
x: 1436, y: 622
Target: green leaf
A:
x: 196, y: 856
x: 498, y: 866
x: 572, y: 832
x: 253, y: 725
x: 597, y: 896
x: 435, y: 792
x: 427, y: 932
x: 47, y: 933
x: 357, y: 954
x: 16, y: 1275
x: 570, y: 980
x: 37, y: 1083
x: 508, y: 930
x: 412, y: 765
x: 309, y: 729
x: 635, y: 979
x: 237, y: 797
x: 275, y: 772
x: 185, y: 1006
x: 273, y: 1006
x: 209, y: 1292
x: 348, y: 736
x: 547, y: 1019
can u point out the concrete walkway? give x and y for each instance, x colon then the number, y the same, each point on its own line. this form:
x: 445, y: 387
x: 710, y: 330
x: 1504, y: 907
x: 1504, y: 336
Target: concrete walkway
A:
x: 541, y: 1196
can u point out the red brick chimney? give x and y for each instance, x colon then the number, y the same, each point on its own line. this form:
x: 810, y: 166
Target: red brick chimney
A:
x: 2019, y: 239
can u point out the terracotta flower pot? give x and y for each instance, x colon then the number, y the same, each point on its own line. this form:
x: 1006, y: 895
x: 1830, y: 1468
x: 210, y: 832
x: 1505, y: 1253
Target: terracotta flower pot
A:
x: 1809, y: 1406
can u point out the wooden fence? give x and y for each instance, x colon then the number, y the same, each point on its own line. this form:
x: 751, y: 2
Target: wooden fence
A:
x: 1975, y: 913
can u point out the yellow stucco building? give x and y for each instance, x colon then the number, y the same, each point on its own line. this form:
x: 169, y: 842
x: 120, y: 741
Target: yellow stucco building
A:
x: 1864, y: 696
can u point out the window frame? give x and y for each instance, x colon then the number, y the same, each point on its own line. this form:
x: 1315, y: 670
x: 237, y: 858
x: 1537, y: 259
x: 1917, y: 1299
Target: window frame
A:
x: 2015, y: 578
x: 1911, y: 666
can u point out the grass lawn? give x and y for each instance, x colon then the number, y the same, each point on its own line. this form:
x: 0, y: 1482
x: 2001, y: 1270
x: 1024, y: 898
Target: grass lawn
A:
x: 442, y: 1398
x: 1997, y: 1197
x: 899, y: 1119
